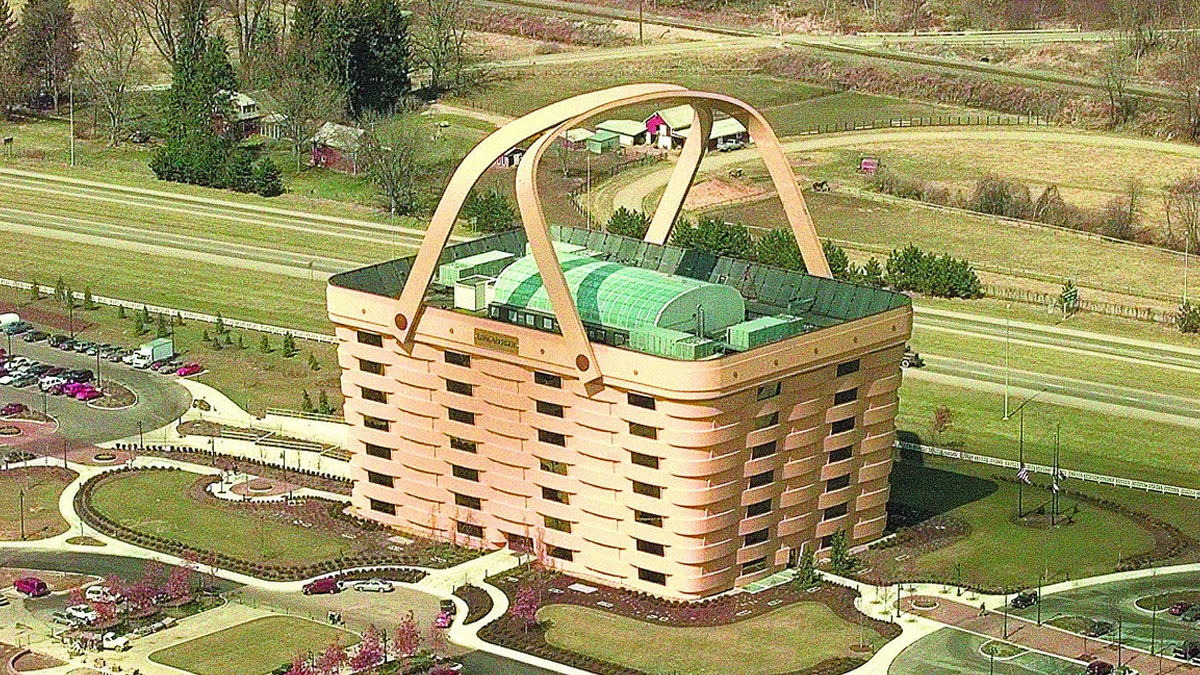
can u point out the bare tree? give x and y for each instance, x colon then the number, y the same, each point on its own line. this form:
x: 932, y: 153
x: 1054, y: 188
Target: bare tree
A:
x: 389, y: 155
x: 444, y: 46
x: 1181, y: 202
x: 246, y: 18
x: 1184, y: 77
x: 112, y: 46
x: 1115, y: 73
x: 306, y: 104
x: 160, y: 21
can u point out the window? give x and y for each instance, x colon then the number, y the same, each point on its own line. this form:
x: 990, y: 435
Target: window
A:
x: 838, y: 483
x: 552, y: 466
x: 470, y: 529
x: 383, y: 507
x: 845, y: 396
x: 373, y: 367
x: 465, y: 473
x: 519, y: 543
x: 757, y: 537
x: 552, y: 495
x: 463, y: 444
x: 767, y: 391
x: 827, y: 541
x: 373, y: 339
x: 841, y: 454
x: 469, y: 502
x: 835, y: 512
x: 651, y: 547
x: 761, y: 479
x: 461, y: 415
x: 842, y: 426
x: 374, y: 395
x: 456, y: 387
x: 552, y: 438
x: 765, y: 421
x: 643, y: 430
x: 552, y: 409
x: 557, y: 524
x: 560, y: 553
x: 758, y: 508
x: 648, y: 518
x: 652, y: 576
x: 647, y: 489
x: 457, y: 359
x: 764, y: 450
x: 641, y: 401
x: 847, y: 368
x: 644, y: 460
x: 752, y: 566
x: 376, y: 423
x: 378, y: 451
x: 547, y: 380
x: 380, y: 479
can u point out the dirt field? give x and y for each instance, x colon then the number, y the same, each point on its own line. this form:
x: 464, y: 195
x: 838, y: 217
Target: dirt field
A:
x: 716, y: 192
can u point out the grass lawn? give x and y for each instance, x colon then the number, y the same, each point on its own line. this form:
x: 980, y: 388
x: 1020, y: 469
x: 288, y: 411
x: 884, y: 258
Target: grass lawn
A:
x: 848, y: 107
x: 254, y: 379
x: 156, y: 502
x: 42, y: 487
x: 791, y: 639
x: 1090, y: 441
x: 999, y: 551
x: 252, y: 648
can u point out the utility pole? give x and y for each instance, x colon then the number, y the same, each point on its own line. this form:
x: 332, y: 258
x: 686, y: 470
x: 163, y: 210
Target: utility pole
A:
x: 72, y: 103
x: 1006, y: 615
x: 1007, y: 326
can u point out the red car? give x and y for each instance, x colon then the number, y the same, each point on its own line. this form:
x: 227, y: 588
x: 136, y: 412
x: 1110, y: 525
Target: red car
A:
x: 443, y: 620
x: 1099, y: 667
x: 31, y: 586
x: 188, y: 369
x: 325, y: 586
x: 1179, y: 608
x: 88, y: 394
x: 13, y: 409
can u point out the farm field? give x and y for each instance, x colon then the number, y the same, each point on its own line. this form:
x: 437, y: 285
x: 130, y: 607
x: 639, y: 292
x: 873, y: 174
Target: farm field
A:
x: 159, y: 502
x: 251, y: 648
x: 760, y: 645
x: 42, y: 487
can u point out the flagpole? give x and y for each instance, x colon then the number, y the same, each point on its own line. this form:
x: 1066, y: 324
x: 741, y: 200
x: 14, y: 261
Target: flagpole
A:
x: 1054, y: 501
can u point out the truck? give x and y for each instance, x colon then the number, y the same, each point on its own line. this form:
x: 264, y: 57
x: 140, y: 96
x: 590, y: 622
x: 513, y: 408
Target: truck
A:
x: 154, y: 350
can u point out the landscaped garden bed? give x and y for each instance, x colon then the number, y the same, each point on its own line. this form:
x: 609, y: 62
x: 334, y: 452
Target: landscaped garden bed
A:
x: 550, y: 595
x: 170, y: 510
x: 115, y: 396
x: 479, y: 603
x: 301, y: 477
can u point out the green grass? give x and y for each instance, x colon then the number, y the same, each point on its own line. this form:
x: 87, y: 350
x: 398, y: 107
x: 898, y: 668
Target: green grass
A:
x: 1000, y: 552
x: 790, y: 639
x: 1090, y: 441
x: 42, y: 490
x: 156, y: 502
x: 1157, y: 603
x: 1001, y: 650
x: 848, y: 107
x: 252, y: 648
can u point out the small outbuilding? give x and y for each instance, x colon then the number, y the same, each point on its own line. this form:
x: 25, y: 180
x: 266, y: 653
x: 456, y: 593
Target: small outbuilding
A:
x: 629, y: 132
x: 602, y: 141
x: 510, y: 158
x: 336, y: 146
x: 576, y: 139
x: 664, y: 125
x: 724, y: 130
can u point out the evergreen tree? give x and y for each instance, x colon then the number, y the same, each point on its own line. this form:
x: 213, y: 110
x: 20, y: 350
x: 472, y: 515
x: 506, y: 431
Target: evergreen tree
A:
x: 88, y: 301
x: 289, y: 345
x: 489, y: 212
x: 145, y: 314
x: 35, y: 292
x: 60, y: 291
x: 779, y: 249
x: 306, y: 403
x: 312, y: 362
x: 366, y: 52
x: 160, y: 328
x: 323, y: 405
x: 306, y: 38
x: 628, y: 223
x: 264, y: 344
x: 715, y: 237
x: 120, y: 311
x: 47, y: 46
x: 220, y: 323
x: 839, y: 262
x: 241, y: 344
x: 8, y: 24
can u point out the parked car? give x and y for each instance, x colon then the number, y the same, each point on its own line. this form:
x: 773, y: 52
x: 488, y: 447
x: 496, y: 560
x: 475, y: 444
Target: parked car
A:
x: 102, y: 594
x: 1179, y: 608
x: 170, y: 368
x: 188, y: 369
x: 17, y: 327
x: 1025, y: 599
x: 117, y: 643
x: 443, y: 620
x: 24, y: 381
x: 31, y: 586
x: 88, y: 394
x: 56, y: 340
x: 82, y: 613
x: 62, y: 619
x: 1099, y: 628
x: 118, y: 354
x: 81, y: 375
x: 323, y: 586
x: 13, y: 409
x: 1099, y: 667
x: 157, y: 365
x: 3, y: 601
x: 34, y: 336
x: 1187, y: 651
x: 447, y: 605
x: 66, y: 345
x: 374, y: 586
x: 49, y: 382
x: 727, y: 144
x: 1191, y: 614
x: 911, y: 359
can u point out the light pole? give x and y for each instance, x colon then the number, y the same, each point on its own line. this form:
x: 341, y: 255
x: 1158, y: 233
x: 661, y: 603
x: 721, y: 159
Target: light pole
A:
x: 1007, y: 331
x: 1021, y: 447
x: 141, y: 439
x: 21, y: 510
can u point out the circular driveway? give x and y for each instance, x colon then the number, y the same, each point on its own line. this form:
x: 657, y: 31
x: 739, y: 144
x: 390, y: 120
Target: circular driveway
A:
x: 160, y: 399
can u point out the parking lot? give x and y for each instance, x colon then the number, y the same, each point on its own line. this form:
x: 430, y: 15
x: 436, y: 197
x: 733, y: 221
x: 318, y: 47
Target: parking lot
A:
x: 160, y: 400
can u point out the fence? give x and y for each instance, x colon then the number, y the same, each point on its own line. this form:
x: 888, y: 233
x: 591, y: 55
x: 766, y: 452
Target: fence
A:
x: 181, y: 313
x: 931, y: 121
x: 315, y: 417
x: 1106, y: 308
x: 1084, y: 476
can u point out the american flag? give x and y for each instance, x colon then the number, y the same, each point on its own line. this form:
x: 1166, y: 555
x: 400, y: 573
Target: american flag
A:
x: 1023, y: 475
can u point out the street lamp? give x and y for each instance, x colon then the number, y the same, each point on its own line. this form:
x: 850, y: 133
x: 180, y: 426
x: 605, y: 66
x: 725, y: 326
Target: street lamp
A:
x: 1021, y: 445
x: 21, y: 509
x: 1007, y: 331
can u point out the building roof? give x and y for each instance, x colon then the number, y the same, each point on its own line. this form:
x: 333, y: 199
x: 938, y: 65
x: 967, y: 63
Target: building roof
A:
x: 578, y: 134
x: 721, y: 128
x: 338, y: 136
x: 679, y: 117
x: 602, y: 136
x: 620, y: 296
x: 623, y: 127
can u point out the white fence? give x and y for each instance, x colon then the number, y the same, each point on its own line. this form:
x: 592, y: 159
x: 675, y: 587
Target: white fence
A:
x: 181, y: 313
x: 1085, y: 476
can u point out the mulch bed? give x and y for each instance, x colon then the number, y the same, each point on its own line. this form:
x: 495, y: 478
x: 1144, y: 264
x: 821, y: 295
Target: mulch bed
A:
x: 30, y: 661
x: 721, y: 610
x: 367, y: 543
x: 46, y: 318
x: 299, y: 477
x: 116, y: 395
x: 479, y: 603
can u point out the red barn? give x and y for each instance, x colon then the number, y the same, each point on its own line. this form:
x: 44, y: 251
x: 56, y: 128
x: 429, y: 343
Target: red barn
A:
x: 335, y: 146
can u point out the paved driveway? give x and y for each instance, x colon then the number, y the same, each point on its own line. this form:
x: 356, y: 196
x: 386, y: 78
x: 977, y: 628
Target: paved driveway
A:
x: 161, y: 400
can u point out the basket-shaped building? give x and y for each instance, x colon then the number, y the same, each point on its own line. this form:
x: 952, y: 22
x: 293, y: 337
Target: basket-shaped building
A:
x: 631, y: 412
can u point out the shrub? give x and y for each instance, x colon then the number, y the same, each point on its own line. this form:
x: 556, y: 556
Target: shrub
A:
x: 911, y: 269
x: 1000, y: 197
x: 714, y: 236
x: 489, y: 212
x: 1188, y: 318
x: 628, y: 223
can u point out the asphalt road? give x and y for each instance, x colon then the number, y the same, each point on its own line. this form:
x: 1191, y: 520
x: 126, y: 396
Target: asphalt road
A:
x: 160, y: 400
